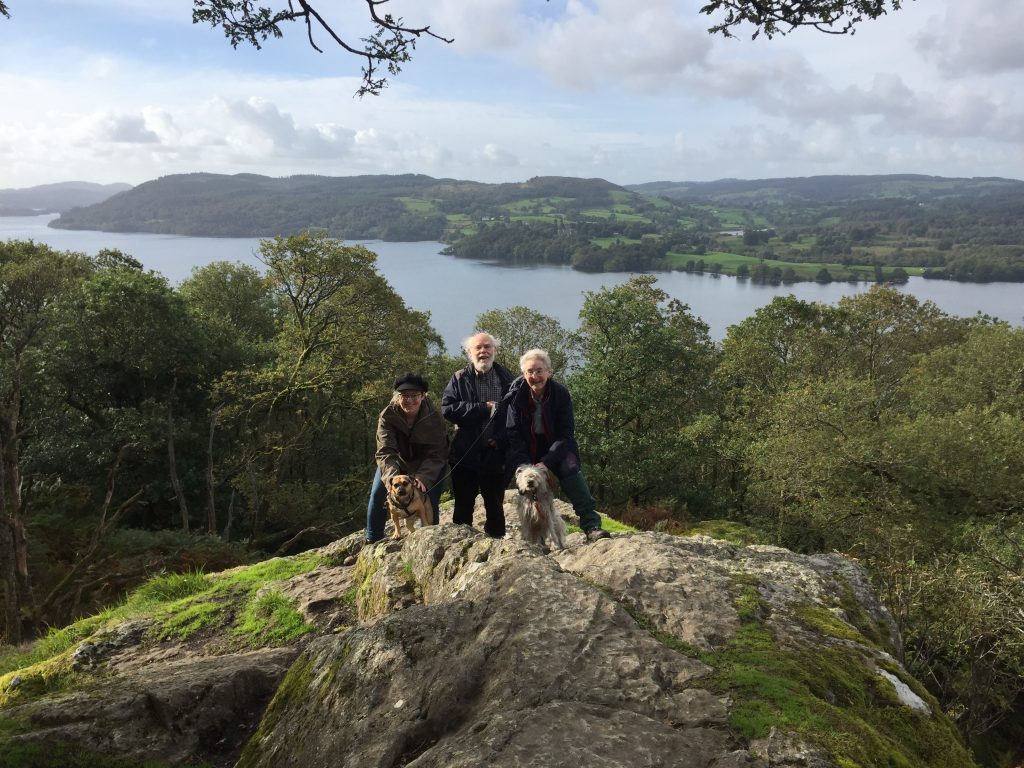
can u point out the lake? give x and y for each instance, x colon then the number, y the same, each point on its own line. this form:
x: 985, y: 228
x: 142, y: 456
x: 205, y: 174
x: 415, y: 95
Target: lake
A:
x: 455, y: 291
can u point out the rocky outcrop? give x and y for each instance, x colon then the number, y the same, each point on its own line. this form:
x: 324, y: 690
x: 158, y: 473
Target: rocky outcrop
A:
x: 447, y: 648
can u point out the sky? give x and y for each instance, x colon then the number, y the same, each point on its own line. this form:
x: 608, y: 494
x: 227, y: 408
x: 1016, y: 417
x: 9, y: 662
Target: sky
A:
x: 626, y: 90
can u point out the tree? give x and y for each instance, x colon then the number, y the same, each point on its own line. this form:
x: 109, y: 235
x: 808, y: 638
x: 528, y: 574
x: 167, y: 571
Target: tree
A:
x: 126, y: 355
x: 389, y: 45
x: 641, y: 393
x: 305, y: 420
x: 521, y: 329
x: 32, y: 277
x: 779, y: 17
x: 235, y: 305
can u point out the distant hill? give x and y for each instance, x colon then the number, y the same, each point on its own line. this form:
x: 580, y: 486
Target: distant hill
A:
x: 819, y: 227
x: 828, y: 189
x: 55, y: 198
x: 403, y: 207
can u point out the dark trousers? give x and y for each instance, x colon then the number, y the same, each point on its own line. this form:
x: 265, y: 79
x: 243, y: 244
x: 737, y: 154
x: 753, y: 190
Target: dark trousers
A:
x: 466, y: 484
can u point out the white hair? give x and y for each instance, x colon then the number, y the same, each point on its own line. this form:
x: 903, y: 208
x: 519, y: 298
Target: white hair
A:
x: 535, y: 354
x: 474, y: 334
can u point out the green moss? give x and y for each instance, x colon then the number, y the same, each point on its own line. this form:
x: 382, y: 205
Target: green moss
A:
x: 829, y: 695
x: 728, y: 530
x: 270, y: 619
x: 648, y: 624
x: 876, y: 631
x: 746, y: 597
x: 407, y: 572
x: 822, y: 620
x: 294, y: 690
x: 49, y: 676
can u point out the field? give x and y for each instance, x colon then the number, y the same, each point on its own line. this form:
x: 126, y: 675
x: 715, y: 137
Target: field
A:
x: 730, y: 262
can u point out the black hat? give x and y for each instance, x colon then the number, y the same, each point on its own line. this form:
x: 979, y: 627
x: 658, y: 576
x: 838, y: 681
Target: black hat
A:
x: 411, y: 381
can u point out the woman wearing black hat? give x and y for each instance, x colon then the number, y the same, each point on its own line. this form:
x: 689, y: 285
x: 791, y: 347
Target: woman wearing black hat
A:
x: 411, y: 440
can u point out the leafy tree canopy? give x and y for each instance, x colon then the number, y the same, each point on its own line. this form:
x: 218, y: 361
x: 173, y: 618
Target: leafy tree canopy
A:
x: 779, y: 17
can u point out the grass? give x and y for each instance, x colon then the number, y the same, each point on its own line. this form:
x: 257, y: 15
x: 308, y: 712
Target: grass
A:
x: 606, y: 213
x: 609, y: 524
x: 727, y: 530
x: 269, y: 619
x: 181, y: 606
x: 730, y: 262
x: 604, y: 242
x: 417, y: 205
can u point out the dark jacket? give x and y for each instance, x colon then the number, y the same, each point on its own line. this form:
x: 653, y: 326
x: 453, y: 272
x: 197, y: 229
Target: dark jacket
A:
x: 461, y: 405
x: 418, y: 450
x: 556, y: 448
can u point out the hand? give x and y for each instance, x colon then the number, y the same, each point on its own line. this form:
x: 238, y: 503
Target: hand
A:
x: 419, y: 484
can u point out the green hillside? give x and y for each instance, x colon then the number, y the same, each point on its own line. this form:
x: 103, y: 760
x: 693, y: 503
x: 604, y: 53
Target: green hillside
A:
x: 879, y: 228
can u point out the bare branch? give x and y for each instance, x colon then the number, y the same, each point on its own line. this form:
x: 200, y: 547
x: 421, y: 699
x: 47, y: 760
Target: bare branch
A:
x: 390, y: 45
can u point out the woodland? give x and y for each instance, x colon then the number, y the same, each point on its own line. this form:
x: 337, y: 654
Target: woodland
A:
x: 861, y: 228
x: 146, y: 429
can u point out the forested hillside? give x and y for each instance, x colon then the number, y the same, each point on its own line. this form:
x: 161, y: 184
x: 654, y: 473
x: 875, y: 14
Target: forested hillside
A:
x: 55, y: 198
x: 145, y: 427
x: 861, y: 228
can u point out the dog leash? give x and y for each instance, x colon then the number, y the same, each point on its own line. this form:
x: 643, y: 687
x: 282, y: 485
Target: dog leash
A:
x: 483, y: 431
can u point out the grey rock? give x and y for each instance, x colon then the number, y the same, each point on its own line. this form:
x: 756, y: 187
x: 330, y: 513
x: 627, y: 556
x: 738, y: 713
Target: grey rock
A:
x: 449, y: 648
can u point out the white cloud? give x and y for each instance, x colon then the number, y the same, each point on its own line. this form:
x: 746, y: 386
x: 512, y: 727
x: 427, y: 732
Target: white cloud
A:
x: 628, y: 91
x: 645, y: 46
x: 492, y: 154
x: 977, y: 37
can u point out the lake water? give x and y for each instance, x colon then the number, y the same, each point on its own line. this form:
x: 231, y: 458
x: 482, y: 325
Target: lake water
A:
x: 456, y: 291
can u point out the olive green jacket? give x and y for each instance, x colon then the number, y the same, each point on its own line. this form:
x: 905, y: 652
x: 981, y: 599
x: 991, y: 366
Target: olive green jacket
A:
x: 420, y: 450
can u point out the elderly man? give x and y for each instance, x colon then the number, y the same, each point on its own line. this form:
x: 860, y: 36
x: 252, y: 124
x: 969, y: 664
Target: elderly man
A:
x: 541, y: 430
x: 471, y: 401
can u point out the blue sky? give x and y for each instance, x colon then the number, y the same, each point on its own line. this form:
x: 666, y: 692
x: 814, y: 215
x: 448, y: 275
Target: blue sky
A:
x: 129, y: 90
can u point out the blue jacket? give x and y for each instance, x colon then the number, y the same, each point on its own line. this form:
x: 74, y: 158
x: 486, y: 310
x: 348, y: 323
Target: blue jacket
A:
x: 461, y: 406
x: 557, y: 447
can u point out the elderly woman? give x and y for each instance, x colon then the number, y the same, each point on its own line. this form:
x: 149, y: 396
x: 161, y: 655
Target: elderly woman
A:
x: 540, y: 430
x: 412, y: 439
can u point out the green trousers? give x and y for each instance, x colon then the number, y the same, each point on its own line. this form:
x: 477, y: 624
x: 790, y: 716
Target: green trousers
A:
x: 575, y: 488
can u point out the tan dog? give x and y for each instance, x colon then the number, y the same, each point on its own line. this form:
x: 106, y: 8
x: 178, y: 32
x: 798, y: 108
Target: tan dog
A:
x: 407, y: 502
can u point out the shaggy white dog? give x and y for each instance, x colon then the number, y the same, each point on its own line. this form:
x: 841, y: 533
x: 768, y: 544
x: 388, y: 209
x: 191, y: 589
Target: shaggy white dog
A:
x: 538, y: 520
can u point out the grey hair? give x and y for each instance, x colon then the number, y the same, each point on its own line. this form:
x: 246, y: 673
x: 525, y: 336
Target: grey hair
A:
x: 535, y: 354
x: 474, y: 334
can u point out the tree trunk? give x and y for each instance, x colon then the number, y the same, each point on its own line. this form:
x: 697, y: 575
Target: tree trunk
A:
x: 12, y: 613
x: 231, y: 516
x: 211, y: 510
x: 10, y: 507
x: 172, y: 464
